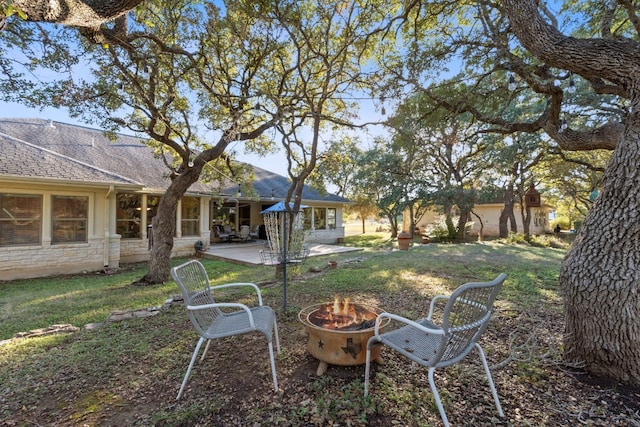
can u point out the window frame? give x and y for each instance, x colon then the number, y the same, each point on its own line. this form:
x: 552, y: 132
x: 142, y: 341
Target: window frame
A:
x: 133, y: 222
x: 6, y: 217
x: 191, y: 222
x: 77, y: 229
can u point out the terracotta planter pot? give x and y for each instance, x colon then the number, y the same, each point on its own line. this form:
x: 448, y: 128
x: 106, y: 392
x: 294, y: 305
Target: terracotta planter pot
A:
x: 403, y: 241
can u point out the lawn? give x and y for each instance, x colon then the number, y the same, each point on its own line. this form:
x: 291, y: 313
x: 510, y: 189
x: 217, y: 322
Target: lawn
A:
x: 129, y: 372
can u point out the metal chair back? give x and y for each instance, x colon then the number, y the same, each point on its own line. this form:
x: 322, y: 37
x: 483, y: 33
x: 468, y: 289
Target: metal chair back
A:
x: 192, y: 279
x: 466, y: 317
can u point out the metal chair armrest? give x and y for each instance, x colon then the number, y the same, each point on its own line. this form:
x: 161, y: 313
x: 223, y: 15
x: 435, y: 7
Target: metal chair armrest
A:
x: 407, y: 322
x: 432, y: 306
x: 240, y: 284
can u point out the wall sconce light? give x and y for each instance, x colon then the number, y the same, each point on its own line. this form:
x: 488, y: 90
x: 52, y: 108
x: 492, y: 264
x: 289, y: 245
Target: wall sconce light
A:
x: 272, y: 195
x: 191, y: 158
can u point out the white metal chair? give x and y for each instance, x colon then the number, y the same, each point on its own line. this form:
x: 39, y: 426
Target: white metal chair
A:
x: 244, y: 234
x: 211, y: 322
x: 255, y: 234
x: 466, y: 316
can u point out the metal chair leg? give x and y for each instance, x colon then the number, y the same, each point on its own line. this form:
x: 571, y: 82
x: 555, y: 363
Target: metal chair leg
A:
x: 490, y: 378
x: 193, y: 360
x: 436, y: 397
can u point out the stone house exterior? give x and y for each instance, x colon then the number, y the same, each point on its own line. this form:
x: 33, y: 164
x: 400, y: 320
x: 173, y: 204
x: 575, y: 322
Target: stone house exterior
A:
x: 490, y: 216
x: 73, y: 200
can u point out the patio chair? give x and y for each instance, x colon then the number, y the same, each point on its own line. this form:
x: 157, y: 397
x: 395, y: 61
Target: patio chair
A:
x: 255, y: 234
x: 217, y: 320
x: 465, y: 317
x: 244, y: 234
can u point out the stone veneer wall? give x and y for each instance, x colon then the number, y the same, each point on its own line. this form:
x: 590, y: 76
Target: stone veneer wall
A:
x: 17, y: 262
x: 22, y: 262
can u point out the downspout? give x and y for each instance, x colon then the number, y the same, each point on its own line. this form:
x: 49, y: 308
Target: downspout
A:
x: 107, y: 235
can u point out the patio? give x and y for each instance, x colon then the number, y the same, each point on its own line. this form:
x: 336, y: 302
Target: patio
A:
x: 249, y: 253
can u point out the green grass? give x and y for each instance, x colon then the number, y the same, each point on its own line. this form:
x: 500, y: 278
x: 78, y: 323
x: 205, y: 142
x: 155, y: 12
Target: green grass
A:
x: 90, y: 298
x: 100, y: 371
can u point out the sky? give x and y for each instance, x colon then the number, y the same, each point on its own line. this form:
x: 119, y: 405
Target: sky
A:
x: 274, y: 163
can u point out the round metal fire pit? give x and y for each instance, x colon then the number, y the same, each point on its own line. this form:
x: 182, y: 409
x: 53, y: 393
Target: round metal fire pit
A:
x: 340, y: 344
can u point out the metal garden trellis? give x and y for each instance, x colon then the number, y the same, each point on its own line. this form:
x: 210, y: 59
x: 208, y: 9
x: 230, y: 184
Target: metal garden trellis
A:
x: 285, y: 237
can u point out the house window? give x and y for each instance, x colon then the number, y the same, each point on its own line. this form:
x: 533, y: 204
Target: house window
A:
x: 190, y: 216
x: 20, y: 219
x: 319, y: 218
x: 331, y: 218
x: 69, y: 219
x: 128, y: 215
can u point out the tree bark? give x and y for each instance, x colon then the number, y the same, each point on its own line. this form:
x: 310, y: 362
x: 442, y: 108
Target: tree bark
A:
x: 506, y: 214
x: 600, y: 275
x: 393, y: 222
x: 164, y: 227
x: 75, y: 13
x: 462, y: 224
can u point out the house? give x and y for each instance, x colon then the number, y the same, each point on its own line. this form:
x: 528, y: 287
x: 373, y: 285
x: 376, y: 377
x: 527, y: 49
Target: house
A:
x: 73, y: 200
x: 489, y: 214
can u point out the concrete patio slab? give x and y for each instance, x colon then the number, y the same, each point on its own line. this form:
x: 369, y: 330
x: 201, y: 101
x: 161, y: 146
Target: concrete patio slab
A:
x: 249, y: 253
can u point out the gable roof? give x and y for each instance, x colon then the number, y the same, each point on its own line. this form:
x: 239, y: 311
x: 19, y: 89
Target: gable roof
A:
x: 44, y: 149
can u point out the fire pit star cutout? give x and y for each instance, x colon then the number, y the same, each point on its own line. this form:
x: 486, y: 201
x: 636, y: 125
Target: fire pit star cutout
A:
x: 320, y: 344
x: 352, y: 348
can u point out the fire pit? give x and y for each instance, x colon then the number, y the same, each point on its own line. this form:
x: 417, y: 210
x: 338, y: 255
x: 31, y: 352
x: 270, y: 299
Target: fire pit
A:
x: 339, y: 331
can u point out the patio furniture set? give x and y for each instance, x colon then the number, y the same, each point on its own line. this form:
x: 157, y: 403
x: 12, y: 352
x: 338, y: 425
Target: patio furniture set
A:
x: 434, y: 342
x: 224, y: 233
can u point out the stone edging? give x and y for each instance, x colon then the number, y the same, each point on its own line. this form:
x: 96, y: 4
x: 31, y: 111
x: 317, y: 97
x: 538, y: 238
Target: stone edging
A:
x: 115, y: 316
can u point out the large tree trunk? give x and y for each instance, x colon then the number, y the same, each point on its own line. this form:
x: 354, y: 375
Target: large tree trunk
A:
x: 462, y: 224
x: 164, y: 228
x: 506, y: 214
x: 393, y: 222
x: 601, y: 272
x: 600, y: 275
x: 525, y: 214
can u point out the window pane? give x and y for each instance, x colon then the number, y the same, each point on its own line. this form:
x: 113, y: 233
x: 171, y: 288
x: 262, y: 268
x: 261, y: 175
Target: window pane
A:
x: 331, y: 218
x: 128, y: 215
x: 20, y: 219
x: 69, y: 219
x: 190, y: 216
x: 319, y: 218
